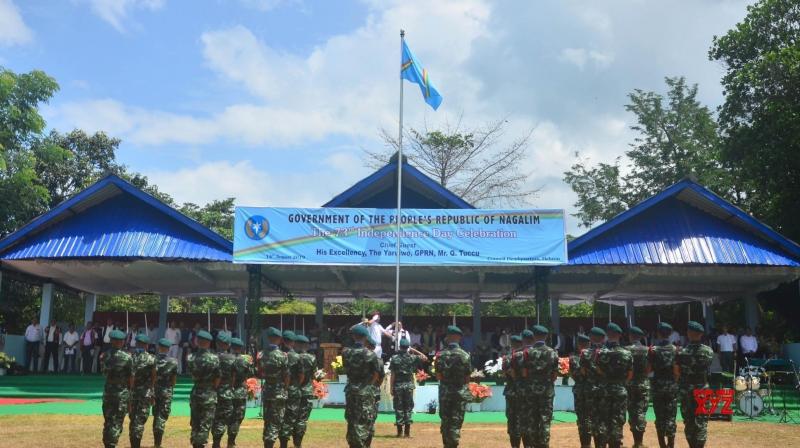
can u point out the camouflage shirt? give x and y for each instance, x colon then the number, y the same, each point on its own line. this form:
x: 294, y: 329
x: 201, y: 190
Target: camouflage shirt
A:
x: 507, y: 368
x: 453, y: 365
x: 662, y: 360
x: 307, y: 365
x: 575, y: 369
x: 225, y: 390
x: 273, y: 366
x: 539, y: 365
x: 166, y: 370
x: 242, y: 369
x: 403, y: 367
x: 360, y: 365
x: 694, y: 360
x: 588, y: 364
x: 292, y: 358
x: 143, y: 369
x: 614, y: 363
x: 640, y: 354
x: 118, y: 368
x: 204, y: 368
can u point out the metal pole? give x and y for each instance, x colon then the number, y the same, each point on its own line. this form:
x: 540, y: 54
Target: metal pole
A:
x: 399, y: 197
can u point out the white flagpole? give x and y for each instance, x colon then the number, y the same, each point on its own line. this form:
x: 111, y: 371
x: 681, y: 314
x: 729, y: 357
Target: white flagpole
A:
x: 146, y: 328
x: 399, y: 197
x: 209, y: 319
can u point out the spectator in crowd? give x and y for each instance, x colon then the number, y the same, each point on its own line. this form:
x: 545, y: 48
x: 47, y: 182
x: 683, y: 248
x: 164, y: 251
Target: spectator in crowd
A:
x: 428, y: 340
x: 98, y: 346
x: 88, y: 342
x: 726, y: 344
x: 71, y: 340
x: 174, y: 336
x: 152, y: 334
x: 748, y: 343
x: 376, y: 331
x: 33, y: 338
x: 505, y: 341
x: 185, y: 345
x: 675, y: 338
x: 52, y: 342
x: 416, y: 338
x: 105, y: 335
x: 397, y: 328
x: 467, y: 341
x: 481, y: 354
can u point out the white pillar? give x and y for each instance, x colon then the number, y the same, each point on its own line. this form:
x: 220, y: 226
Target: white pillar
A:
x: 163, y: 310
x: 89, y: 306
x: 47, y: 304
x: 241, y: 310
x: 476, y: 320
x: 751, y: 311
x: 708, y: 314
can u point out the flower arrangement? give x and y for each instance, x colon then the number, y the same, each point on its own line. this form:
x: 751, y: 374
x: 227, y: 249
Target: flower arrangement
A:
x: 320, y: 389
x: 253, y: 388
x: 476, y: 376
x: 338, y: 365
x: 421, y: 376
x: 493, y: 368
x: 432, y: 406
x: 248, y: 359
x: 319, y: 375
x: 563, y: 367
x: 479, y: 392
x: 6, y: 361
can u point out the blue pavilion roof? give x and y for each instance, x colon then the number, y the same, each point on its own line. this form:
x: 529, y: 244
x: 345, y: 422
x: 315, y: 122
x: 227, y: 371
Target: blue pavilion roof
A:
x: 683, y: 225
x: 112, y: 219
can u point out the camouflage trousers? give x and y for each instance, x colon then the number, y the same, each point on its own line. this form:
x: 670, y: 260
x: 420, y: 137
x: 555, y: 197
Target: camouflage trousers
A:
x: 290, y: 415
x: 665, y: 405
x: 161, y: 409
x: 583, y: 403
x: 203, y: 405
x: 301, y: 424
x: 452, y: 404
x: 403, y: 403
x: 273, y: 411
x: 695, y: 427
x: 536, y: 414
x: 359, y: 410
x: 139, y: 412
x: 115, y: 406
x: 222, y: 415
x: 513, y: 426
x: 638, y: 400
x: 608, y: 417
x: 237, y: 416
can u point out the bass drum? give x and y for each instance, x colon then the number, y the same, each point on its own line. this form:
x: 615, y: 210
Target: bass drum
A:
x: 750, y: 403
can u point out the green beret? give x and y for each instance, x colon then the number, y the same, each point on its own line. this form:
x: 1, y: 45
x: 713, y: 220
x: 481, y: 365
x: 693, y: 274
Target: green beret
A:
x: 696, y: 326
x: 371, y: 341
x: 273, y: 332
x: 583, y: 338
x: 452, y: 329
x: 516, y: 338
x: 224, y: 338
x: 236, y: 342
x: 404, y: 342
x: 164, y: 342
x: 301, y: 339
x: 289, y: 335
x: 359, y: 330
x: 540, y: 330
x: 202, y: 334
x: 116, y: 334
x: 663, y: 326
x: 526, y: 334
x: 142, y: 338
x: 613, y: 327
x: 636, y: 331
x: 597, y: 331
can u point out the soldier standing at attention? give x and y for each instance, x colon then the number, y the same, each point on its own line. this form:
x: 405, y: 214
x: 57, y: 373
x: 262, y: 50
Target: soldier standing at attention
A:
x: 594, y: 392
x: 580, y: 394
x: 693, y: 363
x: 273, y: 368
x: 222, y: 415
x: 540, y: 365
x: 306, y: 366
x: 293, y: 394
x: 204, y: 368
x: 118, y: 367
x: 510, y: 392
x: 452, y: 370
x: 242, y: 370
x: 639, y: 386
x: 360, y: 366
x: 166, y: 375
x: 144, y: 382
x: 615, y: 365
x: 403, y: 366
x: 376, y: 388
x: 664, y: 386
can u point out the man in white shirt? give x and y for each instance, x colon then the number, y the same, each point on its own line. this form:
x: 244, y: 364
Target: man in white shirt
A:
x: 376, y: 331
x: 749, y: 343
x: 397, y: 327
x: 71, y: 339
x: 675, y: 338
x: 33, y: 337
x: 52, y: 341
x: 174, y: 336
x: 726, y: 344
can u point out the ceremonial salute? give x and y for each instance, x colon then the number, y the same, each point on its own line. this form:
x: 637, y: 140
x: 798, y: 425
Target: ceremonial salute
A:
x: 615, y: 365
x: 376, y: 388
x: 591, y: 374
x: 403, y: 366
x: 580, y: 393
x: 118, y: 367
x: 452, y: 370
x: 540, y: 369
x: 306, y: 365
x: 166, y: 375
x: 204, y: 368
x: 273, y: 368
x: 693, y: 363
x: 242, y: 370
x: 665, y: 386
x: 639, y: 386
x: 293, y: 394
x: 144, y: 382
x: 360, y: 366
x: 224, y: 410
x: 511, y: 393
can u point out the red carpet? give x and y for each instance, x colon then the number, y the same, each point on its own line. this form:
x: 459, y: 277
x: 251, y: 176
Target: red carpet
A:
x: 8, y: 401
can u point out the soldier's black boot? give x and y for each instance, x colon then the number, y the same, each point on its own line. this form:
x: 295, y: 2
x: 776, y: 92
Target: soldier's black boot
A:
x: 136, y: 443
x: 670, y: 441
x: 399, y: 430
x: 298, y: 441
x: 515, y: 441
x: 231, y: 440
x: 268, y: 444
x: 369, y: 441
x: 157, y: 436
x: 586, y: 440
x: 284, y: 443
x: 216, y: 441
x: 637, y: 439
x: 407, y: 432
x: 662, y: 441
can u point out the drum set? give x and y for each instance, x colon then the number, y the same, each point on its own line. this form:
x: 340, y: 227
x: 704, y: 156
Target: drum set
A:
x: 751, y: 398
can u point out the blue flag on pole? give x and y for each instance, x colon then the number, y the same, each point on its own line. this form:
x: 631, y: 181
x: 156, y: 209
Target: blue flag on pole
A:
x: 411, y: 70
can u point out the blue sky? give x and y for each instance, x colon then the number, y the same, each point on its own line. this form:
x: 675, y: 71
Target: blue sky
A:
x: 272, y: 101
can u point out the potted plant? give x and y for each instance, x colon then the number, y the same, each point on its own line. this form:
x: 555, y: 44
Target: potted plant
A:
x: 338, y: 368
x: 421, y: 376
x: 253, y: 393
x: 6, y: 361
x: 479, y: 392
x: 320, y: 392
x: 432, y: 407
x: 563, y: 370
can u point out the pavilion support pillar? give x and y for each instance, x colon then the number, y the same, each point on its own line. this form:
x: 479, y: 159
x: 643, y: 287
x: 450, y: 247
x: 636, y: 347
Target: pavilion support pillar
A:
x: 751, y: 311
x: 319, y: 309
x: 630, y: 312
x: 47, y: 305
x: 555, y: 319
x: 89, y: 307
x: 254, y: 300
x: 541, y: 276
x: 476, y: 320
x: 1, y: 285
x: 163, y: 310
x: 708, y: 314
x: 241, y: 314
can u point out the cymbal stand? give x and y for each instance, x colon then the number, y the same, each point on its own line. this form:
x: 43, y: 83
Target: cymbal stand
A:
x: 786, y: 417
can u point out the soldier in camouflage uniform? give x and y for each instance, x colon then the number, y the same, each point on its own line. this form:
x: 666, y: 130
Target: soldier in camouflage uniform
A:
x: 273, y: 368
x: 591, y: 375
x: 117, y: 366
x: 361, y: 368
x: 376, y: 388
x: 242, y: 370
x: 453, y: 368
x: 166, y: 375
x: 404, y: 366
x: 292, y: 411
x: 539, y: 371
x: 511, y: 393
x: 693, y: 363
x: 306, y: 367
x: 580, y: 393
x: 204, y: 368
x: 144, y: 381
x: 639, y: 386
x: 615, y: 365
x: 224, y: 411
x: 664, y: 386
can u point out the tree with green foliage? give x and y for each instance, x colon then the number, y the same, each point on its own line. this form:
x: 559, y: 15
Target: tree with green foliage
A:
x: 216, y: 215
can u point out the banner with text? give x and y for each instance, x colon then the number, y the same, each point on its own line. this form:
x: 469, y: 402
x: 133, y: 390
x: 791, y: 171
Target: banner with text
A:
x: 428, y: 237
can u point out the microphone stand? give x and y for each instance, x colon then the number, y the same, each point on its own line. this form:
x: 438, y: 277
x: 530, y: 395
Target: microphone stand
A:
x: 785, y: 416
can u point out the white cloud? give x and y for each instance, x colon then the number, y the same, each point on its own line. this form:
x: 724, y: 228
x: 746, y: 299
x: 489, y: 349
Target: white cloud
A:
x: 116, y: 12
x: 581, y: 56
x: 266, y: 5
x: 13, y: 30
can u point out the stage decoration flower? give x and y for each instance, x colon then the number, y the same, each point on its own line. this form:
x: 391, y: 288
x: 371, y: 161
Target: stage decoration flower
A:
x: 248, y: 359
x: 421, y: 376
x: 338, y: 365
x: 319, y: 375
x: 253, y: 388
x: 493, y: 368
x: 320, y: 389
x: 563, y: 366
x: 479, y: 392
x: 476, y: 376
x: 6, y: 360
